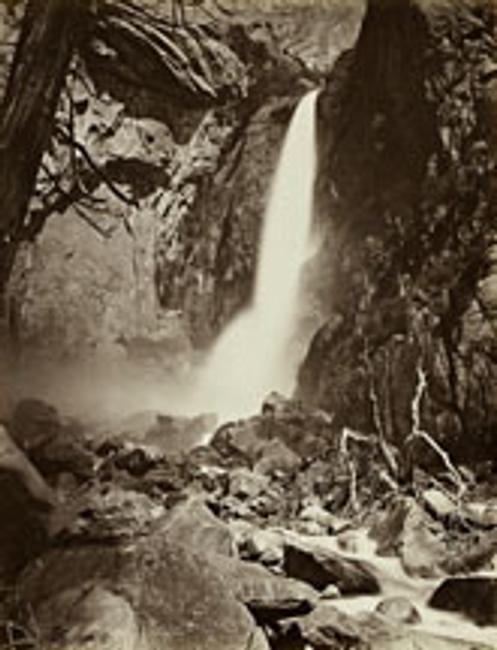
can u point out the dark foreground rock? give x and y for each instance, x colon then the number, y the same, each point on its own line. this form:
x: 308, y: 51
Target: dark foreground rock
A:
x: 319, y: 566
x: 268, y: 597
x: 54, y: 444
x: 473, y: 596
x: 26, y: 504
x: 173, y: 596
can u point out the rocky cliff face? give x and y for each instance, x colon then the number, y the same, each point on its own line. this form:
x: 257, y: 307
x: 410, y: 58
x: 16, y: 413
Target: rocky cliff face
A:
x: 180, y: 128
x: 405, y: 194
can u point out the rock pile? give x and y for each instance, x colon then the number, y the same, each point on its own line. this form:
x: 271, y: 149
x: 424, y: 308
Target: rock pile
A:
x: 213, y: 547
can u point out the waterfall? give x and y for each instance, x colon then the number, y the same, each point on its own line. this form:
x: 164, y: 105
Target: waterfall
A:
x: 252, y: 356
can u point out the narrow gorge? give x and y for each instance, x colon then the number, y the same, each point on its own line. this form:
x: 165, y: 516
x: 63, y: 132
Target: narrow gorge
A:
x: 248, y: 298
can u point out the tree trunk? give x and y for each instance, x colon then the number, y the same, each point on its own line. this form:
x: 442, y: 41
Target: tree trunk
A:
x: 48, y: 36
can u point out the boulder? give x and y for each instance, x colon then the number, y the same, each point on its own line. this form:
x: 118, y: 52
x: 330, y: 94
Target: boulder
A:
x: 398, y: 609
x: 307, y: 433
x: 34, y: 424
x: 178, y: 596
x: 169, y: 434
x: 103, y: 515
x: 439, y: 504
x: 406, y: 529
x: 472, y: 596
x: 245, y: 484
x: 327, y: 628
x: 264, y: 546
x: 55, y: 445
x: 94, y: 618
x: 275, y: 457
x: 241, y: 442
x: 315, y: 513
x: 192, y: 524
x: 268, y: 597
x: 320, y: 566
x: 26, y: 505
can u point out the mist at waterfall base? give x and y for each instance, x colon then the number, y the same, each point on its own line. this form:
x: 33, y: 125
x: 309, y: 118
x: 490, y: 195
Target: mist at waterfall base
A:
x: 254, y: 354
x: 257, y: 353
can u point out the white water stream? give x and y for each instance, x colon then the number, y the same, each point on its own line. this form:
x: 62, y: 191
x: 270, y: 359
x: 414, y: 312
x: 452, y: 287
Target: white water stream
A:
x: 394, y: 581
x: 253, y: 355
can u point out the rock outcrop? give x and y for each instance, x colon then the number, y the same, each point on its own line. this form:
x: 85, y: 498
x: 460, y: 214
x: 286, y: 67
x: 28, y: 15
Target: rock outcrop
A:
x: 406, y: 194
x: 154, y: 250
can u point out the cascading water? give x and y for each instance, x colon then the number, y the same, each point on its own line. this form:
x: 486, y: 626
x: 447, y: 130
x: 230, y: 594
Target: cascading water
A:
x: 252, y: 356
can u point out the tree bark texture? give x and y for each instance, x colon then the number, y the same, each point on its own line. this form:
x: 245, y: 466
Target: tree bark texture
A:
x: 48, y: 36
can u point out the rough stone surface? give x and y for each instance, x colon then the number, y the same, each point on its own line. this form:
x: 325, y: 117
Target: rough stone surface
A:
x: 398, y: 610
x: 405, y: 529
x: 473, y: 596
x: 192, y: 523
x: 25, y: 506
x: 319, y: 566
x: 405, y: 192
x: 178, y: 596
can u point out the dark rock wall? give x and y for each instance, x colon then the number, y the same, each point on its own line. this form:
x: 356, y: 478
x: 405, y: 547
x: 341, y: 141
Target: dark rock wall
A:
x: 407, y: 177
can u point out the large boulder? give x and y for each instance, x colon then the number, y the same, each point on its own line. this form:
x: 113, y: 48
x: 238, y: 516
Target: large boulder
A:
x: 269, y: 597
x: 473, y: 596
x: 178, y: 596
x: 56, y: 445
x: 95, y: 618
x: 320, y: 566
x: 192, y: 524
x: 26, y: 506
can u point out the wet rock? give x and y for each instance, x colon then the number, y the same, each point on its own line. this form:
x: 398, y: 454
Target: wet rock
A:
x: 269, y: 597
x: 439, y: 504
x: 178, y: 596
x: 473, y: 596
x: 319, y: 566
x: 325, y: 627
x: 399, y: 610
x: 328, y: 628
x: 348, y: 541
x: 449, y: 109
x: 330, y: 593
